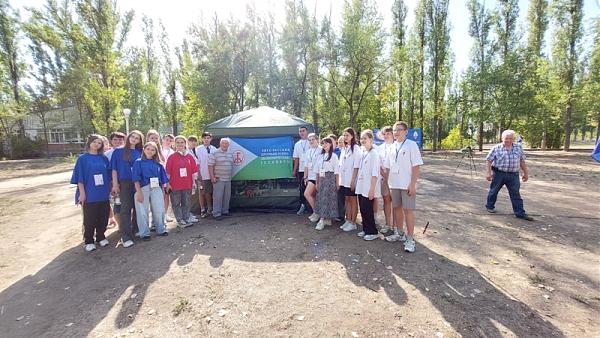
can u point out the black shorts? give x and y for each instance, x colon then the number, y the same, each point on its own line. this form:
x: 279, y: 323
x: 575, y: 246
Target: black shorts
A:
x: 347, y: 192
x: 313, y: 182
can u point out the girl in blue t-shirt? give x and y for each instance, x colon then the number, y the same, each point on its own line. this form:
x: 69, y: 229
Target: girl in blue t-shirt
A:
x: 150, y: 179
x: 92, y: 174
x: 121, y: 163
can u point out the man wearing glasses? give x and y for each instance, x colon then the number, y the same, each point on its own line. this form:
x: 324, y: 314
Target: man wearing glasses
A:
x: 402, y: 168
x: 503, y: 164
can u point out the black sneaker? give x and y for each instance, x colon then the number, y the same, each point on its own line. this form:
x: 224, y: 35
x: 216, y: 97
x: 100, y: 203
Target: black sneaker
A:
x: 163, y: 234
x: 526, y: 217
x: 218, y: 218
x: 491, y: 211
x: 145, y: 238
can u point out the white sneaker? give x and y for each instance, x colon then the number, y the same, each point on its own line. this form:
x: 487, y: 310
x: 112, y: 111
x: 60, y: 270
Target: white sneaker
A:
x: 370, y: 237
x: 191, y: 219
x: 182, y: 224
x: 409, y: 245
x: 320, y: 225
x: 384, y: 229
x: 128, y: 243
x: 344, y: 225
x: 104, y: 242
x: 328, y: 221
x: 396, y: 237
x: 301, y: 210
x: 349, y: 227
x: 169, y: 219
x: 361, y: 234
x: 314, y: 217
x: 90, y: 247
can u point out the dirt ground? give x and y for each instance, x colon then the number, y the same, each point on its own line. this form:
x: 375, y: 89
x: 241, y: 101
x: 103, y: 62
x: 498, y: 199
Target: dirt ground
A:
x: 473, y: 275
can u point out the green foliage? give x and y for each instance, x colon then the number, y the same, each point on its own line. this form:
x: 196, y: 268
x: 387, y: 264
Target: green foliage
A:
x: 454, y: 140
x: 24, y: 147
x: 333, y: 74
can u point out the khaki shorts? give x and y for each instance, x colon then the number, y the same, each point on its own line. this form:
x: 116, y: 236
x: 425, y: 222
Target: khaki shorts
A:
x: 206, y: 186
x: 400, y: 198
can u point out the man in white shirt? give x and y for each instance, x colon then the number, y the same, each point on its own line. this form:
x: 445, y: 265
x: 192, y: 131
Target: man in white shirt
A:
x: 300, y: 149
x: 402, y: 166
x: 206, y: 187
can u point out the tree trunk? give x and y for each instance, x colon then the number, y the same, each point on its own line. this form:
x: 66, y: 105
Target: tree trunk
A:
x: 568, y: 114
x: 400, y: 112
x: 480, y: 136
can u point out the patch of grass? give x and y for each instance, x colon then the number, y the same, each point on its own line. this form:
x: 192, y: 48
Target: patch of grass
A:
x: 181, y: 307
x: 537, y: 279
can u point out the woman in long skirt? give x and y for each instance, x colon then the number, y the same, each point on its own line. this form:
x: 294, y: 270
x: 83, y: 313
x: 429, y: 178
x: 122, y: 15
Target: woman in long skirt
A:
x: 327, y: 184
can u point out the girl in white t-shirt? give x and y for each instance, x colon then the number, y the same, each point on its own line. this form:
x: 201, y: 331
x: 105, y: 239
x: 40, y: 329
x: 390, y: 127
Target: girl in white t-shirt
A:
x: 349, y: 163
x: 368, y: 185
x: 327, y: 184
x: 310, y: 173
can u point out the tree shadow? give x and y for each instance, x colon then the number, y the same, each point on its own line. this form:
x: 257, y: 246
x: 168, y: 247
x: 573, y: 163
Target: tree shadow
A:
x: 82, y: 288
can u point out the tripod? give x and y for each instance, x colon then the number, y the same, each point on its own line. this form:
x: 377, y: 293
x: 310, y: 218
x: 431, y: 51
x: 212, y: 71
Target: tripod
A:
x: 468, y: 153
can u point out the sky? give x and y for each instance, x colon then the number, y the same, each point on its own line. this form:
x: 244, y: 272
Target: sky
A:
x: 178, y: 15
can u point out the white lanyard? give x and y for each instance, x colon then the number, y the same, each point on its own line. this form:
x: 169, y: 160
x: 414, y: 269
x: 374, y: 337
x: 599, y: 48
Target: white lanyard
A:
x: 362, y: 160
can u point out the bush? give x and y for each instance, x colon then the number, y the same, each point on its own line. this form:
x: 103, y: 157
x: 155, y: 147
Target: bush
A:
x: 24, y: 147
x: 454, y: 140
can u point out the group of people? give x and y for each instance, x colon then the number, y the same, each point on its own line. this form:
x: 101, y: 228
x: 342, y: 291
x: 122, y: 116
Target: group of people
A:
x: 339, y: 177
x: 143, y: 178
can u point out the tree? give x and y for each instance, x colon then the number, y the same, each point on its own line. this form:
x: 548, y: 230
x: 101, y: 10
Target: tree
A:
x: 438, y: 47
x: 105, y: 31
x: 361, y: 48
x: 399, y: 35
x: 477, y: 74
x: 171, y: 76
x: 13, y: 66
x: 567, y: 15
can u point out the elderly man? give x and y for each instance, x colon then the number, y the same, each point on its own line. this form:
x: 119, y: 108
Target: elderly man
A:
x: 502, y: 164
x: 220, y: 169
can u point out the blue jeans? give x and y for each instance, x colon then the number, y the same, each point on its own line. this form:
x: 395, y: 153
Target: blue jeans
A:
x: 511, y: 180
x: 153, y: 200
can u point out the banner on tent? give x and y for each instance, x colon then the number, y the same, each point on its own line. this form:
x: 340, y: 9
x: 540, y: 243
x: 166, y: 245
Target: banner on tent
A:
x: 261, y: 158
x: 415, y: 134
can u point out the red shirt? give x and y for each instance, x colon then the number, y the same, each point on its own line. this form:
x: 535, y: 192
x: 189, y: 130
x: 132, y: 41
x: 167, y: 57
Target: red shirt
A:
x: 176, y: 164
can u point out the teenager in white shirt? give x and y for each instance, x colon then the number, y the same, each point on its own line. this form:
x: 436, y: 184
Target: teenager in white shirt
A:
x: 402, y: 166
x: 368, y: 185
x: 387, y: 134
x: 206, y: 188
x: 310, y: 173
x: 327, y: 184
x: 349, y: 164
x: 300, y: 148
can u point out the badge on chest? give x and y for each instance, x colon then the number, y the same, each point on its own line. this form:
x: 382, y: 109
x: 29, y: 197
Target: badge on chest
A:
x: 182, y: 172
x: 154, y: 182
x: 98, y: 180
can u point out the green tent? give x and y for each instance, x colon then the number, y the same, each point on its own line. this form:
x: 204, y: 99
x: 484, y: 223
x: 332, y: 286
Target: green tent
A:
x: 257, y: 122
x: 261, y: 122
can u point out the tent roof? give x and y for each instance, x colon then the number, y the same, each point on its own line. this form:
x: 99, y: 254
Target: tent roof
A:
x: 261, y: 121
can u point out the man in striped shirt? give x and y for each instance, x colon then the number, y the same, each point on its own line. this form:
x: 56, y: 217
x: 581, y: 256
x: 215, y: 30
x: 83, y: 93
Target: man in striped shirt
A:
x: 503, y: 163
x: 220, y: 168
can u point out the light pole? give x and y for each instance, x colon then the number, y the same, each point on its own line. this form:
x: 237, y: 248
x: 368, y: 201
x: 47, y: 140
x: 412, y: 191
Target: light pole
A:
x: 126, y: 113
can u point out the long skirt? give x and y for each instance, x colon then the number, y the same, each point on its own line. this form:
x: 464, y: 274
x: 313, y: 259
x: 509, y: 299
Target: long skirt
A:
x: 327, y: 197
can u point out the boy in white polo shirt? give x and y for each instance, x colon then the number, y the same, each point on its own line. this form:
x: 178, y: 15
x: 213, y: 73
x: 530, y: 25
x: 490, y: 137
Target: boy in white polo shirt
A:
x: 402, y: 165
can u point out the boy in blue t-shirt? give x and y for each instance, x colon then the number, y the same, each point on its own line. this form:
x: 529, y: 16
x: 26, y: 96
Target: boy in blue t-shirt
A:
x: 92, y: 174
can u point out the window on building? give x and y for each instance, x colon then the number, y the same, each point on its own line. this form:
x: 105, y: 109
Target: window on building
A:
x: 57, y: 135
